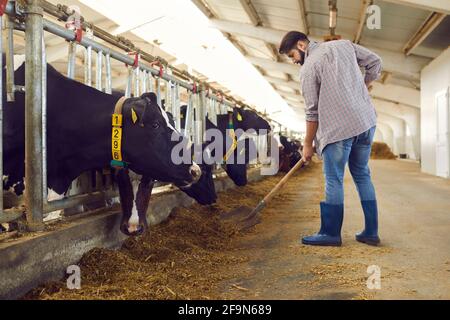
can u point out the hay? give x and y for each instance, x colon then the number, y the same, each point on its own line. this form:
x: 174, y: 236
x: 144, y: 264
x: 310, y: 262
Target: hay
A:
x: 186, y: 257
x: 381, y: 150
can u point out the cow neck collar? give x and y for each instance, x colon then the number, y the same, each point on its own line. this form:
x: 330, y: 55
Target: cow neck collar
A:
x: 232, y: 135
x: 116, y: 138
x: 119, y: 106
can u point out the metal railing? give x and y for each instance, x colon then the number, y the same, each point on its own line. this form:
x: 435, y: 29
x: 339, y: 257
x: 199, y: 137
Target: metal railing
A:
x: 142, y: 76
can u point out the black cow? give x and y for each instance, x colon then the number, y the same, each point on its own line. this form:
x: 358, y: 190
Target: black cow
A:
x: 237, y: 171
x: 248, y: 119
x: 203, y: 191
x: 241, y: 119
x: 79, y: 139
x: 290, y: 153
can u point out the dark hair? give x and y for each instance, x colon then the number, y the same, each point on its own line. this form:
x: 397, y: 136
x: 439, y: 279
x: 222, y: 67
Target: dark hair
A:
x: 290, y: 40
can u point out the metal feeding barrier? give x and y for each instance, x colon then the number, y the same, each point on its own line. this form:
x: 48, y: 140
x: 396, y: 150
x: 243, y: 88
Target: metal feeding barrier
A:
x: 143, y: 76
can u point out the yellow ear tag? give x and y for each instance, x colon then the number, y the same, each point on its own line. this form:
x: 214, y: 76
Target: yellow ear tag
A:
x: 134, y: 116
x: 239, y: 117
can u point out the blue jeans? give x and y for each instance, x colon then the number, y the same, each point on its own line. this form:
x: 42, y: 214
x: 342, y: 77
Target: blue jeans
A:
x: 355, y: 151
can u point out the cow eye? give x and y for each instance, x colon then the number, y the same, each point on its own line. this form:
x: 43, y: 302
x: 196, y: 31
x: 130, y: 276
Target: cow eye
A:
x: 155, y: 125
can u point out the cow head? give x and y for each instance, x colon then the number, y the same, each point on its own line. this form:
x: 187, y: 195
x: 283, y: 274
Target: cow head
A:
x: 148, y: 140
x: 289, y: 154
x: 203, y: 191
x: 237, y: 173
x: 248, y: 119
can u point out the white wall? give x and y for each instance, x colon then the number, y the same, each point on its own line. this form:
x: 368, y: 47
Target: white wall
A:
x: 411, y: 117
x: 387, y: 133
x: 379, y: 137
x: 435, y: 77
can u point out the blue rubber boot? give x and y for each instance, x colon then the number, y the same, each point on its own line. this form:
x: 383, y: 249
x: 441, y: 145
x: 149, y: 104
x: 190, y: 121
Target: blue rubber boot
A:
x: 331, y: 223
x: 370, y: 233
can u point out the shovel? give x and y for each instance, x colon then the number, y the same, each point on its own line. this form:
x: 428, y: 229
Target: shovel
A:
x: 247, y: 217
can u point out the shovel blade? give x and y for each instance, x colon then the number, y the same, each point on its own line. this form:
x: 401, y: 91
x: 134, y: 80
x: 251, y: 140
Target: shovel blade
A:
x: 243, y: 217
x: 237, y: 214
x: 246, y: 224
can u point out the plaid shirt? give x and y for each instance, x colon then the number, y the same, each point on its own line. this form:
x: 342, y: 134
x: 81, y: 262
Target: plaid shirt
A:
x: 335, y: 92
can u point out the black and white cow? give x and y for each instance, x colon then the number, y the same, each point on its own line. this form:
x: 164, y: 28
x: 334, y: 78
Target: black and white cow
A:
x: 79, y: 139
x: 203, y: 191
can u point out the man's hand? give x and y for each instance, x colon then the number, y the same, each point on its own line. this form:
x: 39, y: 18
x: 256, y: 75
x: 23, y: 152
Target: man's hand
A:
x: 308, y: 152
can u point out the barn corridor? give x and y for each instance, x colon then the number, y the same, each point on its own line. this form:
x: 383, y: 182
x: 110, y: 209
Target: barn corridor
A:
x: 132, y: 136
x: 192, y: 256
x: 414, y: 258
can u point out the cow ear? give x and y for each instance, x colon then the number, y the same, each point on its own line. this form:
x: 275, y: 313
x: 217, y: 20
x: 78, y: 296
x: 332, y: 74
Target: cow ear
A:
x: 238, y: 114
x: 150, y: 96
x: 134, y: 116
x: 137, y: 113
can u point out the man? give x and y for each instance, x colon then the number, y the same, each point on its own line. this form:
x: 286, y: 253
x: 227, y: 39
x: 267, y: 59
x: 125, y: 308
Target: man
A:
x: 341, y: 121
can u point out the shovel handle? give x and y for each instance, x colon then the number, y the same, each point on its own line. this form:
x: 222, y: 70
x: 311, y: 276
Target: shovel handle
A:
x: 263, y: 203
x: 282, y: 182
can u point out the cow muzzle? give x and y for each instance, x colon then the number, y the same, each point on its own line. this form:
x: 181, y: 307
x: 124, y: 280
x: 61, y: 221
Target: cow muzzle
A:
x: 195, y: 172
x: 133, y: 230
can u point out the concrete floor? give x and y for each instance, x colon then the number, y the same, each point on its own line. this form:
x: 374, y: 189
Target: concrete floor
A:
x: 414, y: 258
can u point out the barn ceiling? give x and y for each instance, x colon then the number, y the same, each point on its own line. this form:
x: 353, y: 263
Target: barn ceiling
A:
x: 413, y: 32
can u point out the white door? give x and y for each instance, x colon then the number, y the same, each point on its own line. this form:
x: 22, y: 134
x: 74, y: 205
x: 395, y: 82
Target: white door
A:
x: 442, y: 138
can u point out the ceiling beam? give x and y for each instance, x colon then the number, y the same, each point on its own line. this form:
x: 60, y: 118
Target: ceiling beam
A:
x: 272, y: 65
x: 206, y: 9
x: 393, y: 61
x: 385, y: 76
x: 302, y: 13
x: 256, y: 20
x: 387, y: 92
x: 261, y: 33
x: 396, y: 46
x: 427, y: 52
x: 398, y: 110
x: 297, y: 107
x: 251, y: 12
x: 277, y: 81
x: 395, y: 93
x: 442, y: 6
x: 362, y: 19
x: 433, y: 20
x: 399, y: 64
x: 291, y: 96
